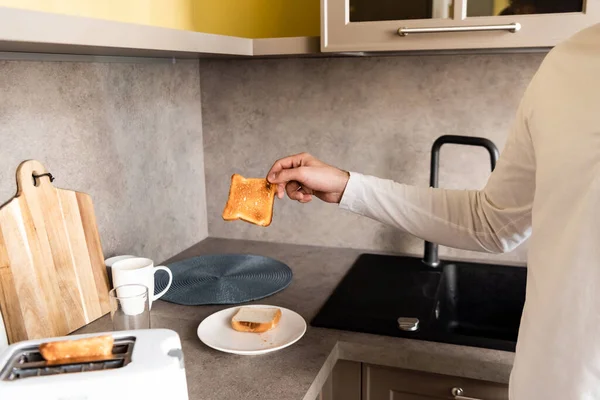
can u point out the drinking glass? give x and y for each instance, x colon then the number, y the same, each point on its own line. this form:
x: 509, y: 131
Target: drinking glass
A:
x: 129, y: 307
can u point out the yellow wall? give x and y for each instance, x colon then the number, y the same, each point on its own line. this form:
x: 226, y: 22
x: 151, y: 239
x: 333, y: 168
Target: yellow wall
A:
x: 165, y: 13
x: 258, y: 18
x: 499, y: 5
x: 245, y: 18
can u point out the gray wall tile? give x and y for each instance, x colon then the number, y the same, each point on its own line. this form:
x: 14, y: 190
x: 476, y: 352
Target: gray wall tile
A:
x: 373, y: 115
x: 130, y: 135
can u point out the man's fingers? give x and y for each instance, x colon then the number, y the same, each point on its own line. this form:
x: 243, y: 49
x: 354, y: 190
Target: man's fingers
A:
x: 280, y: 190
x: 305, y: 190
x: 291, y: 188
x: 287, y: 175
x: 294, y: 161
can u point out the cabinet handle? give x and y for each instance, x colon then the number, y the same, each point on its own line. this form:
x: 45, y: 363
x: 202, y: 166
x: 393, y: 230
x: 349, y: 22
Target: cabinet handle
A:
x: 457, y: 393
x: 514, y: 27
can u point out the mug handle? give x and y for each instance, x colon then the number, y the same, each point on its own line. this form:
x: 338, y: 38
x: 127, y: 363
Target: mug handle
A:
x: 168, y: 271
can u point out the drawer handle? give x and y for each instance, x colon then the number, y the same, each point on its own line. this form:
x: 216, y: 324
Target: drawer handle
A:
x: 457, y: 393
x: 514, y: 27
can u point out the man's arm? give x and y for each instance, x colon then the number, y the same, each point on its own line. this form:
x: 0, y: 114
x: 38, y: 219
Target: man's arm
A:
x: 495, y: 219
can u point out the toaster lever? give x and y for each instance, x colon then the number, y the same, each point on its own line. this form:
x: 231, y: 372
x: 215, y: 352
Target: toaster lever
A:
x: 178, y: 354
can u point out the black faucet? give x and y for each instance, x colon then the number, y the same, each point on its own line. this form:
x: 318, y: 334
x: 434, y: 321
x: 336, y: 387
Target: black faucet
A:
x: 430, y: 257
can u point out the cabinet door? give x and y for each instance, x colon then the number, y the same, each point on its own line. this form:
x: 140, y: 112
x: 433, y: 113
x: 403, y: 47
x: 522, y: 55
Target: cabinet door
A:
x: 344, y: 383
x: 397, y: 25
x: 383, y: 383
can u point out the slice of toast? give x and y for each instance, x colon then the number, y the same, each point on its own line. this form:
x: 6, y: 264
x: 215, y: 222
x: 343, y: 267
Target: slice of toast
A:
x: 68, y: 349
x: 250, y: 200
x: 256, y: 319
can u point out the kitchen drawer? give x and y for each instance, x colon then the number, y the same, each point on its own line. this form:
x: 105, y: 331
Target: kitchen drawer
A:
x: 384, y: 383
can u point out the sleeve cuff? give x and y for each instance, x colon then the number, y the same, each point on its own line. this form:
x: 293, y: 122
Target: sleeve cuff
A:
x: 352, y: 198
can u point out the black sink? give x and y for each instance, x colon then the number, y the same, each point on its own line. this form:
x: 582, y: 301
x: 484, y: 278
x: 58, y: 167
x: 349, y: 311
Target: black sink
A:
x: 454, y: 302
x: 482, y: 300
x: 461, y: 303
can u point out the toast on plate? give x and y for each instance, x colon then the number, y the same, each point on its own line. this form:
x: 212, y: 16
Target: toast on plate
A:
x: 250, y: 200
x: 256, y: 319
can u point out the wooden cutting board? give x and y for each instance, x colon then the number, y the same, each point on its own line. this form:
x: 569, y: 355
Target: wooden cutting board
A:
x: 52, y: 274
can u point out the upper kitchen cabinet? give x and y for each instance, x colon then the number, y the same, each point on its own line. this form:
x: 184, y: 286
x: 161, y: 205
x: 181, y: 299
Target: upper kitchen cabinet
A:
x: 399, y: 25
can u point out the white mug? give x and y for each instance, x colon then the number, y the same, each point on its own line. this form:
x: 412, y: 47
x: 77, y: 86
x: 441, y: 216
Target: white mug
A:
x: 139, y: 270
x: 112, y: 260
x: 109, y: 263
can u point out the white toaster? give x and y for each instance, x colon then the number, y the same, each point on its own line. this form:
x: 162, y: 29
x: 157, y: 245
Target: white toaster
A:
x: 146, y: 364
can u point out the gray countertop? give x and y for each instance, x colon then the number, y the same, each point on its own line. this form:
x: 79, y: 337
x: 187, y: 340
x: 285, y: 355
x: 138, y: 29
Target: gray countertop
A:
x: 298, y: 372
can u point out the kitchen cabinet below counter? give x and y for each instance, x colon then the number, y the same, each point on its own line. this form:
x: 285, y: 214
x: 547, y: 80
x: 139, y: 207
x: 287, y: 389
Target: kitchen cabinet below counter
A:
x: 26, y: 31
x: 351, y: 380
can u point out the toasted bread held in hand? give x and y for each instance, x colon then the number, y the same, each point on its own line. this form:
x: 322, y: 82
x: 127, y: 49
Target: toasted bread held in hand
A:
x: 256, y: 319
x: 250, y: 200
x: 100, y: 346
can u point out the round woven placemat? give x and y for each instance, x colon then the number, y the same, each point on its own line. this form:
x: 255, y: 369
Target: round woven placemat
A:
x: 223, y: 279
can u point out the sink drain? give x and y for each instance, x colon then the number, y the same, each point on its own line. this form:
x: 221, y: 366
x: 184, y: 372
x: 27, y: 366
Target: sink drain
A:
x: 408, y: 324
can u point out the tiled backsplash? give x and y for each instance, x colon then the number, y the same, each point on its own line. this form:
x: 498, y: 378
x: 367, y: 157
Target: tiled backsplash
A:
x: 378, y: 116
x: 130, y: 135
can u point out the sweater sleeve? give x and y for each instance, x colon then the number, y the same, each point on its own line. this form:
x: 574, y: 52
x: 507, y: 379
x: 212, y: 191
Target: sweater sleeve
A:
x: 496, y: 219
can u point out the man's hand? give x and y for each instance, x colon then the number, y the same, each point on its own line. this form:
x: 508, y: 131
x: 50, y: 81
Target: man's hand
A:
x: 302, y: 176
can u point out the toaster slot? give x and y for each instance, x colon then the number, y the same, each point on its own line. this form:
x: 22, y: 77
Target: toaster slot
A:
x: 28, y: 362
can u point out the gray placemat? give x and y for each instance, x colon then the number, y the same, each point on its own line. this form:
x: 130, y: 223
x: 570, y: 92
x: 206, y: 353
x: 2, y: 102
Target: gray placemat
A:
x: 223, y: 279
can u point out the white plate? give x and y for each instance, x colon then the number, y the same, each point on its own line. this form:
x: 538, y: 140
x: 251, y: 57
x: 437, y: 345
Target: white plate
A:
x: 216, y: 332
